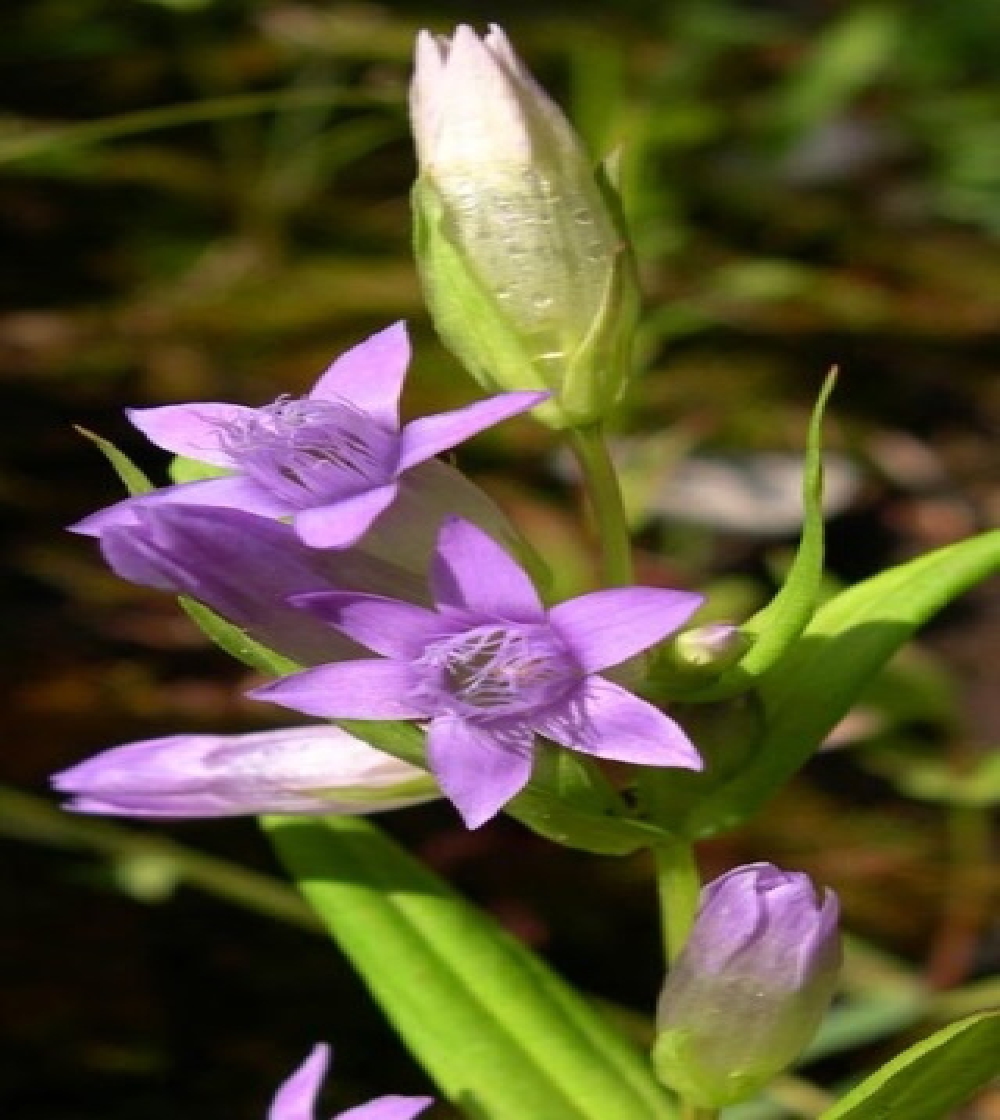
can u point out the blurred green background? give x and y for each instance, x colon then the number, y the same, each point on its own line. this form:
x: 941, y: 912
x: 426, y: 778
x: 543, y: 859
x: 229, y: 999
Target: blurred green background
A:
x: 207, y: 200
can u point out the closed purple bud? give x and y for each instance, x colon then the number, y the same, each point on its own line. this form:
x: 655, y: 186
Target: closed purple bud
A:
x: 703, y: 652
x: 750, y: 987
x: 315, y: 770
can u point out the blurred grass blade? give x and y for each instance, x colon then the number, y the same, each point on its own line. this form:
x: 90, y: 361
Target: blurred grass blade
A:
x: 502, y: 1035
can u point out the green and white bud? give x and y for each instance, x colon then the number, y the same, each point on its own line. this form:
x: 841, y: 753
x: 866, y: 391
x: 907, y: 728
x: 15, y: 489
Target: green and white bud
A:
x: 520, y: 244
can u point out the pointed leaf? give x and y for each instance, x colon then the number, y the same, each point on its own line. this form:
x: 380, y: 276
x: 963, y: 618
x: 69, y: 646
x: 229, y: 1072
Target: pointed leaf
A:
x: 502, y: 1035
x: 182, y: 469
x: 775, y: 628
x: 135, y: 481
x: 846, y: 644
x: 930, y: 1079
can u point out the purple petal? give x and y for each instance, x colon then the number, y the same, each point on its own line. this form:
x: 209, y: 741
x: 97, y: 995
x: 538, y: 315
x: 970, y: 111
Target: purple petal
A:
x: 424, y: 438
x: 386, y: 626
x: 244, y: 567
x: 345, y: 522
x: 237, y: 775
x: 369, y: 689
x: 479, y: 770
x: 387, y: 1108
x: 607, y: 721
x: 296, y: 1099
x: 370, y: 375
x: 470, y: 571
x: 192, y: 430
x: 236, y: 492
x: 607, y: 627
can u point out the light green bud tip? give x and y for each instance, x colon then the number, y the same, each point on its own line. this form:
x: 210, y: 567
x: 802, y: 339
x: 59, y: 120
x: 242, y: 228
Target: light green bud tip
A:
x: 520, y: 245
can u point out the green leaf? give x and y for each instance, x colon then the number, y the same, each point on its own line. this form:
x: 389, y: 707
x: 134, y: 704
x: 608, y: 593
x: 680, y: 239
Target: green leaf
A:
x: 930, y: 1079
x: 500, y: 1033
x: 775, y: 628
x: 135, y: 481
x: 848, y: 641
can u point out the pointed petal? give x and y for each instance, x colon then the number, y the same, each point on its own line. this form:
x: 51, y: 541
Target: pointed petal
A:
x: 607, y: 627
x: 471, y: 571
x: 424, y: 438
x: 236, y: 492
x: 341, y: 524
x: 387, y: 1108
x: 610, y: 722
x: 296, y: 1098
x: 478, y: 770
x: 368, y: 689
x: 387, y: 626
x: 370, y: 375
x: 193, y: 430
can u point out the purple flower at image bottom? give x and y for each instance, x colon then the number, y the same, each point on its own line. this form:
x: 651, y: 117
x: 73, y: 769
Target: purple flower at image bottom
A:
x: 332, y: 461
x: 489, y: 668
x: 296, y: 1098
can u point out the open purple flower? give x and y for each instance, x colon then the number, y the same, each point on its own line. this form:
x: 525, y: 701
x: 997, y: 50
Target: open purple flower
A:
x: 296, y: 1099
x: 332, y: 460
x: 490, y: 668
x: 315, y: 770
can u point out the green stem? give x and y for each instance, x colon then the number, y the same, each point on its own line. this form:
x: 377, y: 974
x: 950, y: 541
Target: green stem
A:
x: 604, y: 495
x: 678, y: 884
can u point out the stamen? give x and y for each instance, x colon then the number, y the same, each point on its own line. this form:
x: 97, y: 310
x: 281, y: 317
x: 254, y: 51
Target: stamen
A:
x: 497, y: 670
x: 309, y: 451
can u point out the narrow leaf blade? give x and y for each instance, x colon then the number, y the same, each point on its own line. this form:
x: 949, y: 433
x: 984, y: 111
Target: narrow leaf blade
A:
x: 503, y: 1036
x: 930, y: 1079
x: 849, y: 640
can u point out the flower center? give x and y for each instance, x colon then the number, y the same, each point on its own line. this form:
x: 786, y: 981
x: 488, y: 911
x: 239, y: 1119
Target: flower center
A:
x: 497, y: 670
x: 308, y: 452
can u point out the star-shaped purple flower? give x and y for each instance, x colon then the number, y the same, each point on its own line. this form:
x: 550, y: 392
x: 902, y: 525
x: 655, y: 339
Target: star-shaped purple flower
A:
x: 490, y: 668
x: 332, y: 460
x: 296, y: 1099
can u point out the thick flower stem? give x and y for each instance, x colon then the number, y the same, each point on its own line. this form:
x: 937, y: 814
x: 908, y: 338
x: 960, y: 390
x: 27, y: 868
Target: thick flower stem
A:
x: 679, y: 885
x: 600, y: 482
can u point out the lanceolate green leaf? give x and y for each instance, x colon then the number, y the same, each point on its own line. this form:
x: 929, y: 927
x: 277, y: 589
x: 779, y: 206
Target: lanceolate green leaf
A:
x: 848, y: 641
x: 776, y: 627
x: 133, y: 479
x: 930, y: 1079
x: 502, y: 1035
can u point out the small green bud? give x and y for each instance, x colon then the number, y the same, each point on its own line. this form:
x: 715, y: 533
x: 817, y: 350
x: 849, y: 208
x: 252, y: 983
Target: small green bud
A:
x: 704, y: 652
x: 520, y: 244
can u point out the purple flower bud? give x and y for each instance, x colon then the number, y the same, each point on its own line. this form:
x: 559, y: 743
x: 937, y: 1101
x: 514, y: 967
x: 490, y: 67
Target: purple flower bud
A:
x: 750, y: 986
x: 296, y: 1098
x: 703, y: 652
x: 317, y: 770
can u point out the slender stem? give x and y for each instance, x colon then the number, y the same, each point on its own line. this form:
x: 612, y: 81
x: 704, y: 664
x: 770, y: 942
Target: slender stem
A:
x: 678, y: 884
x: 604, y: 496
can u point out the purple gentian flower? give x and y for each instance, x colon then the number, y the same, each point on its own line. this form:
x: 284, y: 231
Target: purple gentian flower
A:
x: 315, y: 770
x: 751, y: 985
x: 296, y: 1099
x: 332, y: 461
x: 490, y: 668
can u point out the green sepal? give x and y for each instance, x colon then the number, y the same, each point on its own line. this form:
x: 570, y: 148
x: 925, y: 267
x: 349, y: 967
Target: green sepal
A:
x: 501, y: 1034
x: 848, y: 641
x: 134, y: 480
x: 774, y: 629
x: 182, y: 470
x: 929, y: 1080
